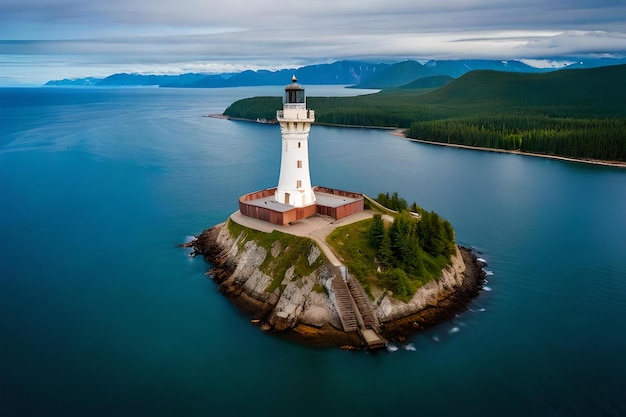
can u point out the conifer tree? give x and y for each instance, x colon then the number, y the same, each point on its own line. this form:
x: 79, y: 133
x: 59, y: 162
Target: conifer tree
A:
x: 376, y: 231
x: 385, y: 255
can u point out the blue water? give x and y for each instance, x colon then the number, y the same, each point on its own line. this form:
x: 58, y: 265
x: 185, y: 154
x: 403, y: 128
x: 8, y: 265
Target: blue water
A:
x: 102, y: 315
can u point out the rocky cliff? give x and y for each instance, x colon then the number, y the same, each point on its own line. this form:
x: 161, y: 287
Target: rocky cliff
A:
x: 298, y: 299
x: 300, y: 296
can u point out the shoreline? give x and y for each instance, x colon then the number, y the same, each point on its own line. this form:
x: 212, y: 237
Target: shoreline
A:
x: 615, y: 164
x: 445, y: 309
x: 401, y: 133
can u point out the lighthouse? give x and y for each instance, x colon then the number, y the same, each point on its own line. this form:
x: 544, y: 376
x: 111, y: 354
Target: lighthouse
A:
x: 294, y: 181
x: 293, y: 199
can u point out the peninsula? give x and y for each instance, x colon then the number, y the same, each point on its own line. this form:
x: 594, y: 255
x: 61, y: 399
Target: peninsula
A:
x: 532, y: 114
x: 333, y: 267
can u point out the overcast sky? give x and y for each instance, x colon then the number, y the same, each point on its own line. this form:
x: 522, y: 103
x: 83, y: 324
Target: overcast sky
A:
x: 52, y: 39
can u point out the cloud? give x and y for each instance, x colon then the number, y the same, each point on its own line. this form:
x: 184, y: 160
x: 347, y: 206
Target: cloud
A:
x: 124, y: 35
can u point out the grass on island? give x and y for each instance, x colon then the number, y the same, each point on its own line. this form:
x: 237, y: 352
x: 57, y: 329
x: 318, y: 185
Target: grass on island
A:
x: 351, y: 244
x: 294, y: 251
x: 399, y: 249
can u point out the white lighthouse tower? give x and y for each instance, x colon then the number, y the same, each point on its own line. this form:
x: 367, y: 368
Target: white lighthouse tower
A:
x: 294, y: 182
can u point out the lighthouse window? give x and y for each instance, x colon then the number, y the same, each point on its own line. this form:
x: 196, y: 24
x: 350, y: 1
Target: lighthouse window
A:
x: 299, y: 144
x: 299, y: 164
x: 298, y: 184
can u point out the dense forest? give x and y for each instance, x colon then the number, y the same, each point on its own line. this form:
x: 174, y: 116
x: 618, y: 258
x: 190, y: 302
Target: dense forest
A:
x: 399, y: 255
x: 579, y: 113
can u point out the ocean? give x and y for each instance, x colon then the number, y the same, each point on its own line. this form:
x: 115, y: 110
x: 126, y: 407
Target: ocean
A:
x: 101, y: 314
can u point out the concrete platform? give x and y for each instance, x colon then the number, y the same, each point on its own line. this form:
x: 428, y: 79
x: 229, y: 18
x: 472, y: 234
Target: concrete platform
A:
x: 270, y: 203
x: 372, y: 339
x: 332, y: 200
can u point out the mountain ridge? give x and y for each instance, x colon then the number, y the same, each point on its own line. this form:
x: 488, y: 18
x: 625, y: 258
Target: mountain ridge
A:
x: 358, y: 74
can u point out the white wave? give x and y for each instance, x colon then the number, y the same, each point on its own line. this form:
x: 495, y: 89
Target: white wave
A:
x: 391, y: 347
x: 482, y: 309
x: 481, y: 261
x: 487, y: 288
x: 455, y: 329
x: 488, y: 272
x: 436, y: 338
x: 410, y: 347
x: 190, y: 251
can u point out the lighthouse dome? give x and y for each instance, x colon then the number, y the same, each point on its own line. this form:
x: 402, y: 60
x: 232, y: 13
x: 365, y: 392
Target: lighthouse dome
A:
x: 294, y: 92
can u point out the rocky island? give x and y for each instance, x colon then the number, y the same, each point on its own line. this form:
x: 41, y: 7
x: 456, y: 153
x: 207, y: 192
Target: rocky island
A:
x: 335, y: 267
x: 283, y: 278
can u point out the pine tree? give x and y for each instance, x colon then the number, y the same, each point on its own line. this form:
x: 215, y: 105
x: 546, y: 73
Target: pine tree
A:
x: 376, y: 231
x: 385, y: 255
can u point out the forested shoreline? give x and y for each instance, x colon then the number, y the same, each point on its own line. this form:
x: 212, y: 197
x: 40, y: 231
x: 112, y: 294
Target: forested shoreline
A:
x: 571, y: 113
x: 602, y: 139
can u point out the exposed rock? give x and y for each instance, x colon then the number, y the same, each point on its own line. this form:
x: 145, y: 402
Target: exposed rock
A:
x: 314, y: 254
x: 239, y: 276
x: 306, y: 305
x: 276, y: 248
x: 428, y: 295
x: 445, y: 306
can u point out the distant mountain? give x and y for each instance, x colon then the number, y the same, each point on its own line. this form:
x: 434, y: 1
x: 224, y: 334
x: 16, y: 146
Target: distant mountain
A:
x: 405, y: 72
x: 353, y: 73
x: 75, y: 81
x: 594, y: 62
x: 146, y: 80
x: 208, y: 81
x: 434, y: 81
x: 340, y: 72
x: 600, y: 88
x: 182, y: 80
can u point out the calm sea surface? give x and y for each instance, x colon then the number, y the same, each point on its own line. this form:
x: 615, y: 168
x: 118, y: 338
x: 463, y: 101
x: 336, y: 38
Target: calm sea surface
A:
x: 102, y: 315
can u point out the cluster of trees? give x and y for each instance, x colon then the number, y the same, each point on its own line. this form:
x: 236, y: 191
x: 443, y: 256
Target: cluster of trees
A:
x: 593, y: 138
x: 395, y: 202
x: 362, y: 117
x: 255, y: 108
x: 395, y: 108
x: 413, y: 249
